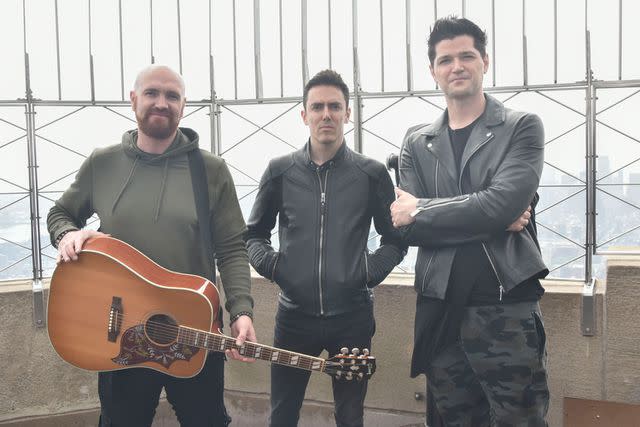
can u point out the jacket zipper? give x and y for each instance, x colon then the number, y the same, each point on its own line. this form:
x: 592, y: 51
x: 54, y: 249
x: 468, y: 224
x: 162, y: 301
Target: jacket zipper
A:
x: 486, y: 251
x: 366, y: 267
x: 323, y: 209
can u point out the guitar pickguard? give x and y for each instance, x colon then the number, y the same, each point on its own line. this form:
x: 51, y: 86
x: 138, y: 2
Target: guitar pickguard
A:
x: 135, y: 348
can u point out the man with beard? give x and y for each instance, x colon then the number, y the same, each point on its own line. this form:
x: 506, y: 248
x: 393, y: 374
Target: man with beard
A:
x: 142, y: 192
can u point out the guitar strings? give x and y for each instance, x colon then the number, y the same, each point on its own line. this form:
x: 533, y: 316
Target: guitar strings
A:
x: 160, y: 330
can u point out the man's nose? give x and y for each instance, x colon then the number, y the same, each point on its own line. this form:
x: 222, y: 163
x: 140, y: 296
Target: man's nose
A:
x: 161, y: 102
x: 457, y: 65
x: 326, y: 113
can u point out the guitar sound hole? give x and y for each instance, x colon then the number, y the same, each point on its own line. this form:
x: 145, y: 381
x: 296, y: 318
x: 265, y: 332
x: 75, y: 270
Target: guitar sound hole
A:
x: 161, y: 329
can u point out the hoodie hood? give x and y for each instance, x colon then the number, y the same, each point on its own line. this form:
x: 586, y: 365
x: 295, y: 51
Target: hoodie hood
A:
x: 185, y: 141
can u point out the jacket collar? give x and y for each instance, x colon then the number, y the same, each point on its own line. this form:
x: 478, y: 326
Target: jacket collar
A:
x: 439, y: 143
x: 340, y: 155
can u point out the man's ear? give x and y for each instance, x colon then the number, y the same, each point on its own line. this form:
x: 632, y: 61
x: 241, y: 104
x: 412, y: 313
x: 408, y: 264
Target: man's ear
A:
x: 303, y: 114
x: 346, y: 117
x: 486, y: 62
x: 133, y: 97
x: 431, y: 71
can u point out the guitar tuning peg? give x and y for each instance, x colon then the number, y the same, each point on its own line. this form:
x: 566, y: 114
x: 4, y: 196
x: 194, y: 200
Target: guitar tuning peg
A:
x: 338, y: 374
x: 344, y: 350
x: 365, y: 352
x: 360, y: 376
x: 355, y: 351
x: 349, y: 376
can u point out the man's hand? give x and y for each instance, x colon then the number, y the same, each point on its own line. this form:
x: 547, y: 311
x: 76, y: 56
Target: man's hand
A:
x: 401, y: 209
x: 72, y: 243
x: 520, y: 223
x: 242, y: 330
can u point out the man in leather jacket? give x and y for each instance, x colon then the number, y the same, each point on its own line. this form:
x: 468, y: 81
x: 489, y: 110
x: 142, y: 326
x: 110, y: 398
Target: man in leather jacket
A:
x: 324, y: 196
x: 468, y: 189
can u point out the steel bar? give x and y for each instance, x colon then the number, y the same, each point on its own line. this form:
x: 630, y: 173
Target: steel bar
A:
x: 179, y: 35
x: 24, y: 189
x: 357, y: 100
x: 555, y: 41
x: 464, y: 8
x: 494, y: 54
x: 59, y: 118
x: 281, y: 54
x: 256, y: 48
x: 619, y: 39
x: 151, y: 31
x: 121, y: 50
x: 561, y: 103
x: 564, y: 199
x: 617, y: 130
x: 381, y: 47
x: 407, y: 7
x: 92, y: 81
x: 330, y: 41
x: 620, y: 101
x: 590, y: 108
x: 303, y: 45
x: 620, y: 199
x: 540, y: 224
x: 525, y: 71
x: 578, y: 126
x: 631, y: 230
x: 572, y: 260
x: 235, y: 53
x: 617, y: 170
x: 58, y: 49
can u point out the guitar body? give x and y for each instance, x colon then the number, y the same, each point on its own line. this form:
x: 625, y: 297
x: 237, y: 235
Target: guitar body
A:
x: 115, y: 309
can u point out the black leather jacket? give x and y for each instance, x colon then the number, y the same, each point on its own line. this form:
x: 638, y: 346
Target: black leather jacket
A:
x: 323, y: 266
x: 503, y: 161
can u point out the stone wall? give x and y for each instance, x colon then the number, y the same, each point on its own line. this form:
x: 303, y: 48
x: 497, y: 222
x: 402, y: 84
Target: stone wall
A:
x: 35, y: 382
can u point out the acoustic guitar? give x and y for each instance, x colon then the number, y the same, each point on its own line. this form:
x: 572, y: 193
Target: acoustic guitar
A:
x: 114, y: 308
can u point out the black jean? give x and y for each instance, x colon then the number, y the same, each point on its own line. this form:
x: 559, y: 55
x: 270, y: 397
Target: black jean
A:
x: 128, y: 398
x: 311, y: 335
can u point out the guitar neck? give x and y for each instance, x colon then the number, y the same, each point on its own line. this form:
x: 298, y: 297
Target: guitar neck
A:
x: 220, y: 343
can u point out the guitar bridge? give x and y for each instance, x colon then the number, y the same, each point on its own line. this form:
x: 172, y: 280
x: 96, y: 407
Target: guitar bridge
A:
x: 115, y: 319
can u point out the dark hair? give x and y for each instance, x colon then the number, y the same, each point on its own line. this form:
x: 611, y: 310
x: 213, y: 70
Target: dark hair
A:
x: 326, y: 78
x: 451, y: 27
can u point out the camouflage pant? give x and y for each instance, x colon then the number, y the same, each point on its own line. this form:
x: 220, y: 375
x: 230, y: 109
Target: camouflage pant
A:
x: 495, y: 375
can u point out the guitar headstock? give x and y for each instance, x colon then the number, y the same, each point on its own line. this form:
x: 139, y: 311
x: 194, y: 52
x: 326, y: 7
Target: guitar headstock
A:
x: 351, y: 366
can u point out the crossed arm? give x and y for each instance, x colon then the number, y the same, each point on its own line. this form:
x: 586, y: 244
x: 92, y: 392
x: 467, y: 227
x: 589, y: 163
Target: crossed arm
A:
x: 503, y: 205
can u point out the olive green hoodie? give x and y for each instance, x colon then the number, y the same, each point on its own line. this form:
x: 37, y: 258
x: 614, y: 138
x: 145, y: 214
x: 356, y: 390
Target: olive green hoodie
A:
x: 147, y: 201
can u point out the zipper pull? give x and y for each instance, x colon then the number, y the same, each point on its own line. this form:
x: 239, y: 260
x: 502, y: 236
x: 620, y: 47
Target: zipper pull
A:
x: 501, y: 292
x: 323, y: 203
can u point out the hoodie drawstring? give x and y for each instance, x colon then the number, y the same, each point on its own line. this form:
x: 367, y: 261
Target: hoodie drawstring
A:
x: 124, y: 187
x: 164, y: 179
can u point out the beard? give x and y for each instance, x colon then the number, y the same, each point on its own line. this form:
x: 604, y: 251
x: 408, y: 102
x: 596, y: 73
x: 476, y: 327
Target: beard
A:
x: 158, y: 129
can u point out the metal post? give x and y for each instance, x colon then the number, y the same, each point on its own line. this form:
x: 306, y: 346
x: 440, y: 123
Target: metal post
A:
x: 407, y: 5
x: 525, y: 65
x: 357, y: 100
x: 36, y: 257
x: 256, y: 48
x: 121, y: 50
x: 590, y: 246
x: 303, y: 46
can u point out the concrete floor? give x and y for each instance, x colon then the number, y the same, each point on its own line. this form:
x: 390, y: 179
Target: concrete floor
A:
x: 245, y: 409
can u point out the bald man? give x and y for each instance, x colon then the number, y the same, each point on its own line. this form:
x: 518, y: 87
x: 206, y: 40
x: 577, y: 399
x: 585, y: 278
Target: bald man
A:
x: 141, y: 190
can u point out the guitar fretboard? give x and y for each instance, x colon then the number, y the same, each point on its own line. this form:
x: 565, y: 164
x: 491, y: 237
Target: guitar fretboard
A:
x: 220, y: 343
